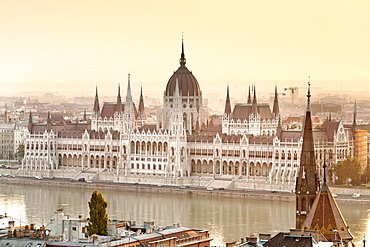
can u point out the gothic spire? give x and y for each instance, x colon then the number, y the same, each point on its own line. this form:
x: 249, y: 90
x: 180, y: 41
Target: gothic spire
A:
x: 48, y: 122
x: 227, y: 104
x: 128, y: 95
x: 309, y: 94
x: 119, y: 101
x: 30, y: 118
x: 182, y: 59
x: 30, y: 122
x: 141, y: 103
x: 307, y: 183
x: 275, y: 109
x: 326, y: 217
x: 96, y: 102
x: 254, y: 109
x: 249, y: 95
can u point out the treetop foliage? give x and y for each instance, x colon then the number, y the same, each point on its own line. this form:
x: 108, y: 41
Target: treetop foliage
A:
x: 98, y: 214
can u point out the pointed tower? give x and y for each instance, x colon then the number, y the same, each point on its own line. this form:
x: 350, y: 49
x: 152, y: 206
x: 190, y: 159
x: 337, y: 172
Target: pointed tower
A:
x: 326, y: 217
x: 96, y: 103
x: 48, y: 122
x: 227, y: 104
x: 129, y: 113
x: 249, y: 95
x: 275, y: 109
x: 30, y: 123
x: 141, y: 109
x: 254, y: 109
x: 119, y: 108
x: 182, y: 58
x: 307, y: 183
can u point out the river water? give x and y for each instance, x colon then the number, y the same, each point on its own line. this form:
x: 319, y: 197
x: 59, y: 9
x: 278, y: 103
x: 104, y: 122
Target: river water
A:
x: 226, y: 219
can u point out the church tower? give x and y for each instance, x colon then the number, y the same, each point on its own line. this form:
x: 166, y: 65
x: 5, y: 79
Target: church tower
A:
x: 326, y: 218
x: 307, y: 183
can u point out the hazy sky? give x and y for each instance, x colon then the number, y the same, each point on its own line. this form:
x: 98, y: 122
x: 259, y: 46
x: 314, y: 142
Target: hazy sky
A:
x: 69, y: 46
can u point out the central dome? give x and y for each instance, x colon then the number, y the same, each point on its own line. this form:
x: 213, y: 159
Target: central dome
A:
x: 188, y: 84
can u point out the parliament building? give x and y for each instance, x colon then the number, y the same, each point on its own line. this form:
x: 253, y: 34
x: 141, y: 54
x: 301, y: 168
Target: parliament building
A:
x: 249, y: 149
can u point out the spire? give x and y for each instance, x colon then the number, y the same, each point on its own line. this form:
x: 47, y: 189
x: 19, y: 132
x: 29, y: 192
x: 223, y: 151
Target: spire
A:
x: 354, y: 123
x: 249, y: 95
x: 128, y: 95
x: 141, y: 103
x: 182, y: 59
x: 96, y: 102
x: 307, y: 183
x: 30, y: 118
x: 275, y: 109
x: 324, y: 179
x: 30, y: 122
x: 326, y: 217
x: 254, y: 109
x: 227, y: 104
x: 48, y: 122
x: 309, y: 95
x: 119, y: 108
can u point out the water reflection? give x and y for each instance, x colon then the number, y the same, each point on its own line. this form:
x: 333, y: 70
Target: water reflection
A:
x: 227, y: 219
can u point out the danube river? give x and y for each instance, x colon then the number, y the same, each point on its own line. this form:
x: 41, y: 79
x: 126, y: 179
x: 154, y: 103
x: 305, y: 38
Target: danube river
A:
x: 227, y: 219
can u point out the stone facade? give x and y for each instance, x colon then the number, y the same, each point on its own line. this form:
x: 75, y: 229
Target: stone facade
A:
x: 249, y: 149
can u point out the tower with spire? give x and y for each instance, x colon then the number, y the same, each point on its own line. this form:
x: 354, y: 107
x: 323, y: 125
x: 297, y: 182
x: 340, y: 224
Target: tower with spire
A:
x: 250, y: 118
x: 275, y: 109
x: 129, y: 112
x: 141, y: 110
x: 190, y: 96
x: 326, y: 218
x: 307, y: 182
x: 227, y: 111
x: 96, y: 103
x: 249, y: 95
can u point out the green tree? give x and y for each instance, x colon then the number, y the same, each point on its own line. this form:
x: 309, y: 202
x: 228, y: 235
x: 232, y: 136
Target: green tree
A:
x: 20, y: 152
x: 348, y: 171
x: 98, y: 214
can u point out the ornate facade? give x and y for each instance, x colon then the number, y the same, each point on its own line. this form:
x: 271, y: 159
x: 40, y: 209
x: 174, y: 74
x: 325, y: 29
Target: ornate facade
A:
x: 250, y: 146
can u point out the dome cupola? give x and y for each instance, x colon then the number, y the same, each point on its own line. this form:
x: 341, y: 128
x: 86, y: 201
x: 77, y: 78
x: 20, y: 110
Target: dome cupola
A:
x: 188, y: 84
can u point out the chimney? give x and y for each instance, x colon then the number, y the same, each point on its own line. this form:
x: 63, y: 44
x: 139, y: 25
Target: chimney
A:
x: 11, y: 225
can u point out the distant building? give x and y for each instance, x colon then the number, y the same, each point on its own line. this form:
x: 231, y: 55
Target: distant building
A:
x: 250, y: 148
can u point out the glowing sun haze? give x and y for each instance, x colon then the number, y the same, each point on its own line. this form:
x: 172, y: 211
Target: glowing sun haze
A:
x: 69, y: 46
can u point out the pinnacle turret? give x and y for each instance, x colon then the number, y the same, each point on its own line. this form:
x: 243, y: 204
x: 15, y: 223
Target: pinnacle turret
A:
x: 96, y: 102
x: 227, y: 104
x: 119, y: 101
x: 275, y: 109
x: 182, y: 59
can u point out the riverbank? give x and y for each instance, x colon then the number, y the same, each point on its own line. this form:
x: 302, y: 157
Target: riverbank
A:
x: 344, y: 194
